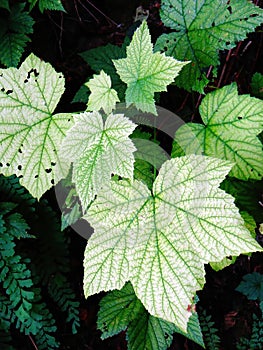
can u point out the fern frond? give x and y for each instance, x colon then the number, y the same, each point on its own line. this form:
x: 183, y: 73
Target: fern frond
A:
x: 209, y: 331
x: 61, y: 292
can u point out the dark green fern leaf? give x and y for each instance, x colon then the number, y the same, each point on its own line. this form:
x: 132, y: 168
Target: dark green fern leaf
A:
x: 209, y: 331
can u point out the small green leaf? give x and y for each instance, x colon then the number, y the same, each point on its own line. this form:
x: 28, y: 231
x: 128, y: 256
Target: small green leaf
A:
x: 252, y: 286
x: 231, y: 125
x: 102, y: 95
x: 140, y: 236
x: 102, y: 58
x: 47, y: 5
x: 201, y: 29
x: 98, y: 150
x: 257, y: 85
x: 145, y: 72
x: 31, y: 134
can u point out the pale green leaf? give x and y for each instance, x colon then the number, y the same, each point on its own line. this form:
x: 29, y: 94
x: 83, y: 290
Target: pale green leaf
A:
x: 98, y: 150
x: 201, y: 29
x: 30, y: 134
x: 102, y: 95
x: 160, y: 240
x: 231, y: 125
x: 220, y: 265
x: 102, y: 58
x: 250, y: 224
x: 145, y: 72
x: 121, y: 310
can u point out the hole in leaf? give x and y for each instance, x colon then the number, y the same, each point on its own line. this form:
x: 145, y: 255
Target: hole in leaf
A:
x: 48, y: 170
x: 229, y: 8
x: 239, y: 118
x: 26, y: 81
x: 20, y: 176
x: 3, y: 90
x: 227, y: 42
x: 251, y: 170
x: 171, y: 6
x: 8, y: 92
x: 166, y: 336
x: 165, y: 48
x: 254, y: 15
x: 36, y: 176
x: 213, y: 24
x: 20, y: 151
x: 1, y: 164
x: 7, y: 164
x: 52, y: 182
x: 19, y: 167
x: 53, y: 163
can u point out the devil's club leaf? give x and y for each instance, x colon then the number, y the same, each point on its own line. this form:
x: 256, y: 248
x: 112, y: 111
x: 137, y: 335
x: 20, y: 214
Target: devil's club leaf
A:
x: 202, y: 29
x: 232, y: 123
x: 145, y: 72
x: 121, y: 310
x: 30, y: 135
x: 98, y: 150
x: 102, y: 95
x: 161, y: 241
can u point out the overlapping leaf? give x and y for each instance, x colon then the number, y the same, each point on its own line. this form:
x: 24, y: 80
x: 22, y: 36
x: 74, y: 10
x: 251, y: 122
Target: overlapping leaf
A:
x: 160, y: 240
x: 121, y: 310
x: 202, y: 29
x: 102, y: 95
x: 145, y: 72
x: 98, y: 150
x: 231, y: 125
x: 102, y: 58
x: 30, y: 134
x: 14, y: 35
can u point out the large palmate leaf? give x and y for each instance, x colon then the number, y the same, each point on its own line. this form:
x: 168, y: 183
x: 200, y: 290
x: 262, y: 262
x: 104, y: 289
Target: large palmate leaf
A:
x: 202, y: 28
x: 231, y: 126
x: 98, y: 150
x: 121, y: 310
x: 14, y: 34
x: 145, y: 72
x: 102, y: 95
x: 160, y: 240
x: 30, y: 134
